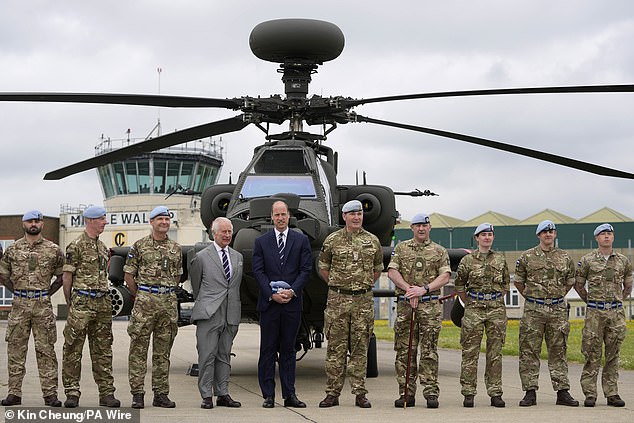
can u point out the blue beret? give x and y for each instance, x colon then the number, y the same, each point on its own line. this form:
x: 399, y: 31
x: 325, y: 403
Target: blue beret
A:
x: 420, y: 218
x: 352, y: 206
x: 94, y: 212
x: 159, y: 211
x: 32, y: 215
x: 546, y: 225
x: 483, y: 227
x: 606, y: 227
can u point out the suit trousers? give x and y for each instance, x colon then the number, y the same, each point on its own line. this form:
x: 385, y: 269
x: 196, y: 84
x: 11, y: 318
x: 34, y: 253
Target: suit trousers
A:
x: 278, y: 332
x: 214, y: 339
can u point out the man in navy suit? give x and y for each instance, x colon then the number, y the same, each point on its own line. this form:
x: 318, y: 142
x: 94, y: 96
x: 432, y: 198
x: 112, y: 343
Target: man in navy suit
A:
x: 282, y: 262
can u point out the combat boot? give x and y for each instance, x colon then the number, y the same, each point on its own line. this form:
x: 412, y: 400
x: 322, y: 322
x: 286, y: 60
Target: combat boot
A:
x: 615, y: 401
x: 72, y: 401
x: 138, y: 401
x: 12, y: 400
x: 161, y: 400
x: 564, y: 398
x: 400, y: 402
x: 589, y: 402
x: 468, y: 401
x: 362, y: 401
x: 52, y: 401
x: 497, y: 401
x: 432, y: 401
x: 530, y: 398
x: 109, y: 401
x: 329, y: 401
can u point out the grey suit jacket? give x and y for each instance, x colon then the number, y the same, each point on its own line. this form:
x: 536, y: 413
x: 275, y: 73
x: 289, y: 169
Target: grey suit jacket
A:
x: 211, y: 286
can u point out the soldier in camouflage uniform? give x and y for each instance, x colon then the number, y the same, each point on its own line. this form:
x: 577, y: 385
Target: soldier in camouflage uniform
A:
x: 481, y: 283
x: 89, y: 311
x: 27, y: 269
x: 350, y: 262
x: 544, y: 275
x: 152, y: 271
x: 419, y: 268
x: 608, y: 275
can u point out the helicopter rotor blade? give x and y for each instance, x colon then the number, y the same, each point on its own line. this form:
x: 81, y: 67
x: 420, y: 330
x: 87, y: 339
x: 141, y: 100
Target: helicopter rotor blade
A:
x: 539, y: 155
x: 202, y: 131
x: 126, y: 99
x: 625, y: 88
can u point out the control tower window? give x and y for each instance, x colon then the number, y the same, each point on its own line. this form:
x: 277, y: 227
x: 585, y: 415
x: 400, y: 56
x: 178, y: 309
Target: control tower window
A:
x: 187, y: 172
x: 131, y: 177
x: 173, y: 169
x: 265, y: 185
x: 119, y: 177
x: 159, y: 175
x: 145, y: 182
x: 105, y: 175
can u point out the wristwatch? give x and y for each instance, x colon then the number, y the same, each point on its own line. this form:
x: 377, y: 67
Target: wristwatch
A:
x: 426, y: 289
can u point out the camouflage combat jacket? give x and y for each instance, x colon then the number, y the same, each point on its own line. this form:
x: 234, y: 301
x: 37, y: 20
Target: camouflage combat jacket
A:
x: 31, y: 266
x: 87, y: 260
x: 351, y: 258
x: 483, y: 272
x: 605, y: 277
x: 545, y: 274
x: 419, y: 264
x: 154, y: 262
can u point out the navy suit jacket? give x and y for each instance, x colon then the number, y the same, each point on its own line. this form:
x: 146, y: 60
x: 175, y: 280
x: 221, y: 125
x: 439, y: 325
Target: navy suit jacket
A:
x: 295, y: 271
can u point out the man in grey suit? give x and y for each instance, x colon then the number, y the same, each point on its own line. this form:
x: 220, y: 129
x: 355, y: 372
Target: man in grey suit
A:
x: 216, y: 273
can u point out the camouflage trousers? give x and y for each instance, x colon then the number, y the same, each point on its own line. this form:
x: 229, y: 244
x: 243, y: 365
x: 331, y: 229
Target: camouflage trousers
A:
x: 427, y: 326
x: 92, y: 318
x: 549, y: 323
x: 602, y: 327
x: 479, y: 317
x: 349, y: 326
x: 153, y: 315
x: 32, y: 315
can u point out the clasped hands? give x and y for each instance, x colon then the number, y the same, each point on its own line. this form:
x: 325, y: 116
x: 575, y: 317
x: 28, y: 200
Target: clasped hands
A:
x: 413, y: 293
x: 283, y: 296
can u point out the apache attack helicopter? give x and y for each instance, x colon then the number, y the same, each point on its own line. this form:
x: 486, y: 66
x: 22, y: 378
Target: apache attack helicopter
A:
x: 295, y: 165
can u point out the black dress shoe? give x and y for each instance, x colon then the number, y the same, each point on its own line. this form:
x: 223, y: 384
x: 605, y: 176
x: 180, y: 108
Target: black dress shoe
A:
x: 293, y: 401
x: 269, y: 402
x: 207, y: 403
x: 227, y: 401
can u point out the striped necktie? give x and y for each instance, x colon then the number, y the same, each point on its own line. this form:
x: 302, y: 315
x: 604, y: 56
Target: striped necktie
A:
x: 225, y: 264
x: 280, y: 247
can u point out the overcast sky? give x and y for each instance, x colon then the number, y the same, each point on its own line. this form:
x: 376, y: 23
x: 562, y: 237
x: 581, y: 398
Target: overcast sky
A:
x: 394, y: 47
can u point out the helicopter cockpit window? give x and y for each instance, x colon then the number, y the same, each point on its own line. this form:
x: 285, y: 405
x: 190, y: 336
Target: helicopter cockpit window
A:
x: 265, y: 185
x: 281, y: 161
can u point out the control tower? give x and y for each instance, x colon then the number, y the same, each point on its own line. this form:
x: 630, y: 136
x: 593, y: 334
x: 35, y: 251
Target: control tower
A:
x: 174, y: 177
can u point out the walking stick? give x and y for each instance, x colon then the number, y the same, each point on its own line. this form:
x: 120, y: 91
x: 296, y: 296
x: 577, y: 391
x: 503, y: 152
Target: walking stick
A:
x: 409, y: 355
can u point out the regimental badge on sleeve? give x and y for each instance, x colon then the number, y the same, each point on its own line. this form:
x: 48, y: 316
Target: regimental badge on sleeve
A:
x: 69, y: 257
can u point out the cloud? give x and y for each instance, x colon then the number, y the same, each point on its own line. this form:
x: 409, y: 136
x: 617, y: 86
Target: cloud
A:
x: 404, y: 47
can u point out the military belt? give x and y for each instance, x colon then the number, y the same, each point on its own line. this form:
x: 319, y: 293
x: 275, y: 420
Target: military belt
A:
x: 545, y: 301
x: 156, y: 289
x: 484, y: 296
x: 30, y: 293
x: 424, y: 298
x: 350, y: 291
x: 92, y: 293
x: 605, y: 305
